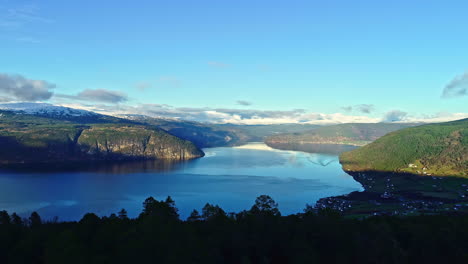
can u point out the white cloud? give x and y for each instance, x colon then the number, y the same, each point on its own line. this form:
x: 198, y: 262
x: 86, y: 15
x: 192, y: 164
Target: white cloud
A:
x: 258, y: 117
x: 220, y: 115
x: 458, y: 87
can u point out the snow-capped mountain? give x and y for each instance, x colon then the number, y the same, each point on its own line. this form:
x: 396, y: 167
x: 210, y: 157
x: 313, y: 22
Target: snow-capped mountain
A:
x: 48, y: 110
x: 141, y: 117
x: 45, y: 109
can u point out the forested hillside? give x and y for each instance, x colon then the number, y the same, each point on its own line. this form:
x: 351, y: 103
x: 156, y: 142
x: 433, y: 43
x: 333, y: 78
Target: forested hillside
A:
x: 348, y: 134
x: 435, y: 149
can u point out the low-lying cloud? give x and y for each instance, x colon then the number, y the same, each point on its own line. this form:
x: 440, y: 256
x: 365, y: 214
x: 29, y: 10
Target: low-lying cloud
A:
x: 20, y: 88
x: 259, y: 117
x: 4, y: 99
x: 458, y: 87
x: 228, y: 115
x: 394, y: 116
x: 97, y: 95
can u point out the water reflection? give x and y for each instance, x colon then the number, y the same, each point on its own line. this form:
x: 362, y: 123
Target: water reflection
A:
x: 322, y: 161
x: 332, y: 149
x: 230, y: 177
x: 108, y: 167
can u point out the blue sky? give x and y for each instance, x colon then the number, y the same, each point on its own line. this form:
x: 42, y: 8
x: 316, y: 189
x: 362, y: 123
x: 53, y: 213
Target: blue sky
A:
x: 326, y: 57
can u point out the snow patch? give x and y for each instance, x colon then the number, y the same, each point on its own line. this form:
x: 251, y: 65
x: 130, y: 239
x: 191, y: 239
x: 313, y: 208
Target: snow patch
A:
x: 45, y: 109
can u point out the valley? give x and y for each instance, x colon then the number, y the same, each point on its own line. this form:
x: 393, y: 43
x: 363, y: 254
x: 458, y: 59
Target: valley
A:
x: 38, y: 136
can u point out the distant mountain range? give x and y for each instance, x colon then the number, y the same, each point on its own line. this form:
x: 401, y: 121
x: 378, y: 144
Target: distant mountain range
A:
x: 202, y: 135
x: 42, y: 133
x: 435, y: 149
x: 333, y: 139
x: 38, y: 133
x: 59, y: 113
x: 218, y: 135
x: 44, y: 109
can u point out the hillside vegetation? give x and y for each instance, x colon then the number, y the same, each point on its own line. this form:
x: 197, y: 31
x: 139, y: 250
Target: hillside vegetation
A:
x: 258, y: 133
x: 28, y: 139
x: 206, y: 135
x: 435, y: 149
x: 332, y: 139
x: 202, y: 135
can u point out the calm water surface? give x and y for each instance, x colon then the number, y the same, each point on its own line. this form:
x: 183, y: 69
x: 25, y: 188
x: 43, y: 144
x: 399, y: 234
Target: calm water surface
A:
x: 229, y: 177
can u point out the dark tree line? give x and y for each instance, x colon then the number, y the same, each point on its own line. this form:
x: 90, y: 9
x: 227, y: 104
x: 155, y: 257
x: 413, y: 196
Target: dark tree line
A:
x: 259, y: 235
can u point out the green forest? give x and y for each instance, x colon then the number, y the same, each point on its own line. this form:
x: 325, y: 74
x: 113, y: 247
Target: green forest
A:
x: 433, y: 150
x: 356, y: 134
x: 258, y: 235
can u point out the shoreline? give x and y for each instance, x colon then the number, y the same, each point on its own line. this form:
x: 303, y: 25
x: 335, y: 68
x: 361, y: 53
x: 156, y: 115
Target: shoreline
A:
x: 391, y: 193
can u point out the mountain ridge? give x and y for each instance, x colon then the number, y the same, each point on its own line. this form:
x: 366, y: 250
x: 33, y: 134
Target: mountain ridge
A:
x: 333, y: 139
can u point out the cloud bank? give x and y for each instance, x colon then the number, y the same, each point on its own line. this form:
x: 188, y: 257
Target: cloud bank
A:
x: 227, y: 115
x: 19, y: 88
x: 97, y: 95
x: 458, y: 87
x: 259, y: 117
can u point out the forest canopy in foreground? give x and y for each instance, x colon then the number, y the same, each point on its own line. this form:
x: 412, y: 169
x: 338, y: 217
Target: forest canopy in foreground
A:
x: 259, y: 235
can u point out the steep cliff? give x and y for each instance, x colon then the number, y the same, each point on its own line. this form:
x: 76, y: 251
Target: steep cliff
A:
x: 134, y: 141
x: 31, y: 139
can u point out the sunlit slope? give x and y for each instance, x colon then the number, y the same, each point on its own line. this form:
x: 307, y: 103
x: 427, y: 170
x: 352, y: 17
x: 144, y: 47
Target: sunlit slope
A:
x: 28, y: 138
x: 357, y: 134
x: 435, y: 149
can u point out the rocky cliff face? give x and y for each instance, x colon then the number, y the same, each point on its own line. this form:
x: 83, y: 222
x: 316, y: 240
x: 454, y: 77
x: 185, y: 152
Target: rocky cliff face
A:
x: 111, y: 142
x: 37, y: 140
